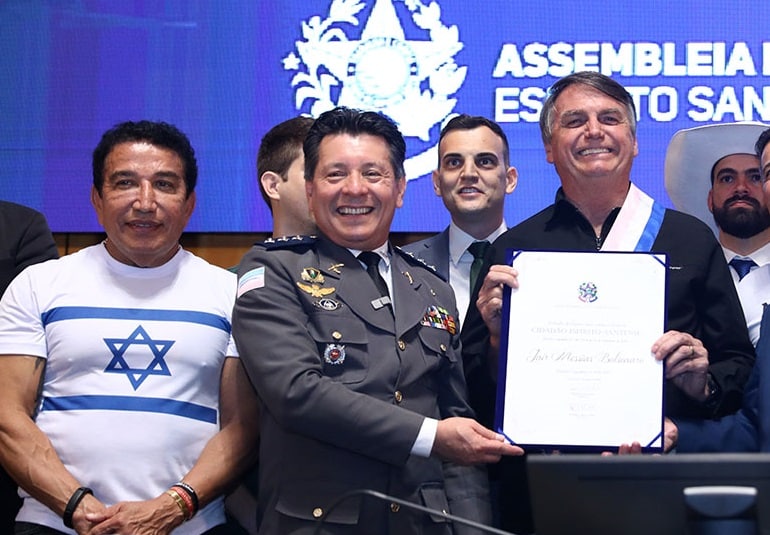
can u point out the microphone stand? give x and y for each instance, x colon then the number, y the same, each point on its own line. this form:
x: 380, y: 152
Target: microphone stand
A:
x: 409, y: 505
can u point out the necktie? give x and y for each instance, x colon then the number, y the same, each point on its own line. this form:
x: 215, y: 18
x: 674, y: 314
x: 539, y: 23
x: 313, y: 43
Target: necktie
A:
x: 372, y: 261
x: 742, y: 266
x: 478, y: 249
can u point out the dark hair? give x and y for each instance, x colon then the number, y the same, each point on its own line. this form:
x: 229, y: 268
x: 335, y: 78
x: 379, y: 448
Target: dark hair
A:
x: 598, y: 81
x: 279, y: 148
x: 764, y: 139
x: 470, y: 122
x: 354, y: 122
x: 159, y: 134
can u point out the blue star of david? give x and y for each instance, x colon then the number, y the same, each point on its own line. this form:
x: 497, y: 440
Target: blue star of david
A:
x: 157, y: 365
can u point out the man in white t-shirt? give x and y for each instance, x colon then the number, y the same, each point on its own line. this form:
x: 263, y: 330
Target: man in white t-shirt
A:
x: 734, y: 197
x: 123, y: 405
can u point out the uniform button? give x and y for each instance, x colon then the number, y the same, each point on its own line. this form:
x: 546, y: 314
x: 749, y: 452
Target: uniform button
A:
x: 442, y: 347
x: 394, y: 507
x: 401, y: 345
x: 399, y: 396
x: 318, y: 512
x: 337, y: 335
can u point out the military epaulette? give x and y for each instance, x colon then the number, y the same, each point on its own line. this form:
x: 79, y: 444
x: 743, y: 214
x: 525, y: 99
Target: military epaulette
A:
x: 417, y: 261
x: 285, y: 242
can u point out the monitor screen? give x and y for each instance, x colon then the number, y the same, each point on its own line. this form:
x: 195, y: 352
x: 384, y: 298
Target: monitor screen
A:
x: 575, y: 494
x: 225, y: 72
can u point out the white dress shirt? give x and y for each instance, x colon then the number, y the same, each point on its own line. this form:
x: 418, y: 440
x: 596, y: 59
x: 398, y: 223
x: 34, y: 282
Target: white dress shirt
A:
x: 460, y: 261
x: 754, y: 288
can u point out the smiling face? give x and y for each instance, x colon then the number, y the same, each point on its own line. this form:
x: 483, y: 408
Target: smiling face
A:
x: 354, y: 191
x: 143, y: 206
x: 472, y: 178
x: 591, y: 136
x: 736, y: 199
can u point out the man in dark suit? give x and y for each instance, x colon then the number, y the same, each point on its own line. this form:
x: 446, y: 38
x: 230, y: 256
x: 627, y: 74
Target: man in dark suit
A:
x: 358, y: 368
x: 747, y: 430
x: 25, y: 239
x: 473, y: 177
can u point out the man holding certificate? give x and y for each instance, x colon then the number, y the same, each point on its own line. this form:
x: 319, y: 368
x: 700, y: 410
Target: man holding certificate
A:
x: 588, y: 126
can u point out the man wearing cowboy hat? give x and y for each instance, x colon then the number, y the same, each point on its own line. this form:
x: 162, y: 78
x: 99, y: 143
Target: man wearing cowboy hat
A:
x: 747, y: 430
x: 734, y: 196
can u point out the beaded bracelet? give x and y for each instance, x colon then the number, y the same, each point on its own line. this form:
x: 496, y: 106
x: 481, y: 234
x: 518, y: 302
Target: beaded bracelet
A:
x: 73, y: 503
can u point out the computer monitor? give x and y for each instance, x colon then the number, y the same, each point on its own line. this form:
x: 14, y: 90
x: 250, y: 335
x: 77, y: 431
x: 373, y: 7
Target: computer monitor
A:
x: 574, y: 494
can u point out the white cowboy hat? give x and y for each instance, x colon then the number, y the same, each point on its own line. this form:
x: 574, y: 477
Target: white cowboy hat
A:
x: 692, y: 154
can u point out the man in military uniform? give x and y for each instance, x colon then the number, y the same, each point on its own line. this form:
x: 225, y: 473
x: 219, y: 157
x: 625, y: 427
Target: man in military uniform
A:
x: 352, y: 346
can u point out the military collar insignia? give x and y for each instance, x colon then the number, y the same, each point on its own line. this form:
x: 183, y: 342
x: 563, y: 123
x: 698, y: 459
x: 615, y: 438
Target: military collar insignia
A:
x: 336, y: 268
x: 288, y: 241
x: 416, y: 259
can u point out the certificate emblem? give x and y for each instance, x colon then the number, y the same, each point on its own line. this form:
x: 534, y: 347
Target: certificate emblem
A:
x: 334, y: 354
x: 588, y: 292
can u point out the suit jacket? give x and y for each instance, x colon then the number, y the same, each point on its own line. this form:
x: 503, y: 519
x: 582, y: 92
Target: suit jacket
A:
x: 345, y: 389
x: 748, y: 430
x: 25, y: 239
x: 434, y: 251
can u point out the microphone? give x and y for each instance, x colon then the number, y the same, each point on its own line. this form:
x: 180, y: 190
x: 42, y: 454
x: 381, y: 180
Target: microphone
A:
x: 409, y: 505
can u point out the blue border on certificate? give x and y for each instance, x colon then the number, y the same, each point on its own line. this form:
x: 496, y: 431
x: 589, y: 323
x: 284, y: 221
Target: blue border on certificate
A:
x: 510, y: 257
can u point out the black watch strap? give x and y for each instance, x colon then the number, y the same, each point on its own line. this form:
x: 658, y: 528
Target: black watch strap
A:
x: 73, y: 503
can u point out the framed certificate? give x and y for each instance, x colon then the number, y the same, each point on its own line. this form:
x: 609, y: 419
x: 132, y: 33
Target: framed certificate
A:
x: 576, y: 372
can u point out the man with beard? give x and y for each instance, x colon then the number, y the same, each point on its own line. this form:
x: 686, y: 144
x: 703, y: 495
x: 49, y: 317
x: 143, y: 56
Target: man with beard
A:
x: 748, y: 430
x: 735, y: 199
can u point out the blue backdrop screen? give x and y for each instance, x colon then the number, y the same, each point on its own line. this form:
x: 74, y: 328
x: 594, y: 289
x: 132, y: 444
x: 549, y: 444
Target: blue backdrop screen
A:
x: 225, y: 72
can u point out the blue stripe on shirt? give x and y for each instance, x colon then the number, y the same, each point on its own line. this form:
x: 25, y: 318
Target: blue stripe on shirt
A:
x: 130, y: 403
x: 188, y: 316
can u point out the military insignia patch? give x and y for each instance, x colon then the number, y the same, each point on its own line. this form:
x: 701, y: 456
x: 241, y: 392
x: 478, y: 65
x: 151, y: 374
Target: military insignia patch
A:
x: 439, y: 318
x: 327, y: 304
x: 252, y: 280
x: 315, y: 290
x: 334, y: 354
x: 310, y: 274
